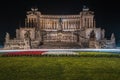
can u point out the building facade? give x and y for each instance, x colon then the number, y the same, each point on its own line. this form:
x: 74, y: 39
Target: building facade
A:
x: 59, y: 31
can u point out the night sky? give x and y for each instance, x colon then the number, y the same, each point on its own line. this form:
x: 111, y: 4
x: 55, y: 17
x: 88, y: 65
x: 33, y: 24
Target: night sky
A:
x: 12, y: 13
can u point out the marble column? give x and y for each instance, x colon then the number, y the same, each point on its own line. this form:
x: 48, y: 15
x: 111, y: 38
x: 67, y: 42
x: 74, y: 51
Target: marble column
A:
x: 50, y: 24
x: 63, y: 25
x: 89, y: 22
x: 73, y: 24
x: 83, y: 22
x: 76, y: 24
x: 92, y: 22
x: 68, y: 25
x: 80, y: 24
x: 55, y: 25
x: 43, y: 24
x: 46, y: 24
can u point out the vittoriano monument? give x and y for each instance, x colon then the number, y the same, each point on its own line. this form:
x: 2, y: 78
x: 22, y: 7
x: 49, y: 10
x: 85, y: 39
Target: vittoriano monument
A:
x: 43, y: 31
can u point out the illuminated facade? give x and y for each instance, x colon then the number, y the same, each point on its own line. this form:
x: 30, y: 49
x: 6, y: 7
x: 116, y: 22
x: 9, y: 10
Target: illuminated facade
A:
x: 59, y: 31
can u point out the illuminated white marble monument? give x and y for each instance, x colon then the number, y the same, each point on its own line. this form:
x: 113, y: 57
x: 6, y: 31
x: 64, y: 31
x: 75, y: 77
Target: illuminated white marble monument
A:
x: 59, y: 31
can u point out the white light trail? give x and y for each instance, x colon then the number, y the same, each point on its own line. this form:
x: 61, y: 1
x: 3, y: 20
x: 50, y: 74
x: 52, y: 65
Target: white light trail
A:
x: 65, y: 50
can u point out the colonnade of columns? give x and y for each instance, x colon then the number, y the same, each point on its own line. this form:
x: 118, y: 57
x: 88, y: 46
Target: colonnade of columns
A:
x: 31, y: 22
x: 54, y: 24
x: 87, y: 22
